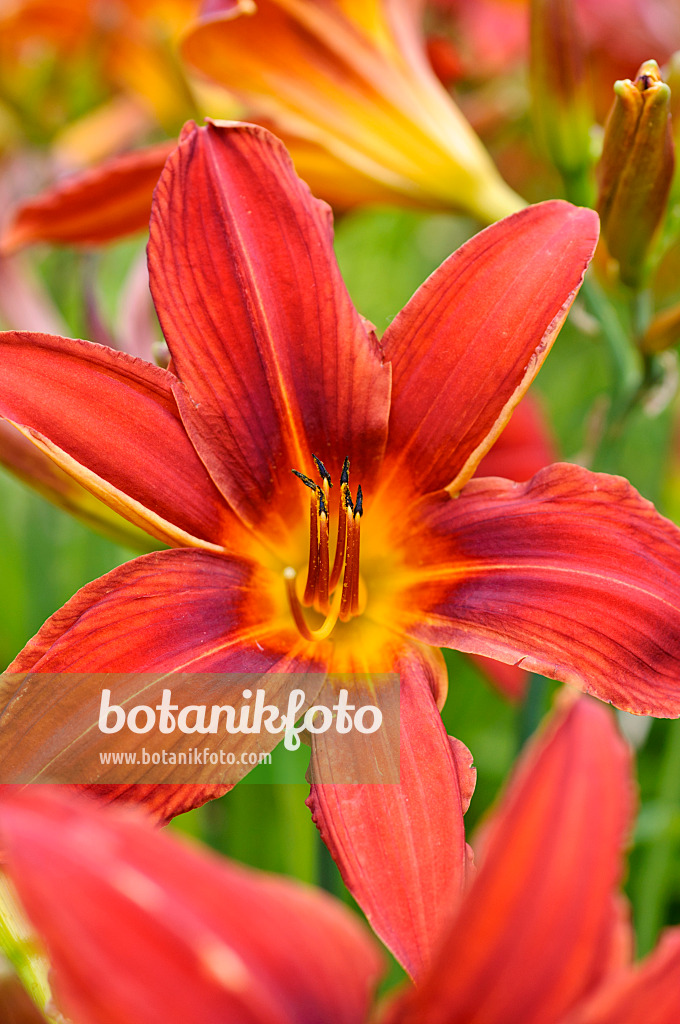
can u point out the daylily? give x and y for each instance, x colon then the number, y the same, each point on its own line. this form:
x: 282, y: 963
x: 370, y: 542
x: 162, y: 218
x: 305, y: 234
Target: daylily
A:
x: 572, y: 574
x: 141, y: 928
x: 350, y: 89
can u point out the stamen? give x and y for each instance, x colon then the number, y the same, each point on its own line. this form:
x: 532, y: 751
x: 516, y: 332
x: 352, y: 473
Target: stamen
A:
x: 306, y: 480
x: 322, y: 584
x: 323, y: 473
x: 313, y: 564
x: 339, y: 559
x: 322, y: 589
x: 358, y: 512
x: 325, y: 630
x: 346, y: 603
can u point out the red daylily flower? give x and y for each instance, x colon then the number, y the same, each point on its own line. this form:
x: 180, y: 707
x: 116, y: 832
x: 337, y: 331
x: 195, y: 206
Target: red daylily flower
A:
x: 141, y: 928
x: 572, y: 574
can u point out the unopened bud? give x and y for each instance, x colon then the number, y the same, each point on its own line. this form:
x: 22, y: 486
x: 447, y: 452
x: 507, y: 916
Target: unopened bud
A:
x: 560, y: 97
x: 663, y: 332
x: 636, y: 169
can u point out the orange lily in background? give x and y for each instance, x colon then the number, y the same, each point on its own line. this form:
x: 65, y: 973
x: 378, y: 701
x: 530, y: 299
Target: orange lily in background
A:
x: 572, y: 574
x: 349, y: 88
x: 351, y: 91
x: 152, y: 930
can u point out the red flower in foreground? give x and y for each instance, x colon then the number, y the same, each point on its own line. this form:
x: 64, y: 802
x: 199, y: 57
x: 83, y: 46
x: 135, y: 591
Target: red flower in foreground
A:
x: 143, y: 929
x: 572, y: 574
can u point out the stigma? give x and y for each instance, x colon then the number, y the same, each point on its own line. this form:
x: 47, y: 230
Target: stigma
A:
x: 331, y: 589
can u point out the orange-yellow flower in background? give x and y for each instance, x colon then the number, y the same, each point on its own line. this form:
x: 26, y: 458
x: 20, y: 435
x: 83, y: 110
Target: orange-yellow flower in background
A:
x: 349, y: 88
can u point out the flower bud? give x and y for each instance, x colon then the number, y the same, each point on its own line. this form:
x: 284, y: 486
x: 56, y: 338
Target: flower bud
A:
x: 636, y: 169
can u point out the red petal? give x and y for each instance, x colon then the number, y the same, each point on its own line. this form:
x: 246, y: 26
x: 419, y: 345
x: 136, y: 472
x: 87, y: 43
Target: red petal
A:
x: 181, y: 620
x: 573, y: 575
x: 259, y: 323
x: 143, y: 929
x: 649, y: 992
x: 94, y: 206
x: 37, y: 469
x: 400, y: 847
x: 535, y: 932
x: 468, y: 344
x: 111, y: 421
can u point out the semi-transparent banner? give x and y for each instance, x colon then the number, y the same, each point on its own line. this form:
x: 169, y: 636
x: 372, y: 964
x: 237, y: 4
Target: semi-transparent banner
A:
x: 195, y: 728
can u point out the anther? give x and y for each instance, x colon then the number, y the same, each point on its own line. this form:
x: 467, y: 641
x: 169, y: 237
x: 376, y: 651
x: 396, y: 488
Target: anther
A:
x: 359, y: 507
x: 323, y: 472
x: 307, y: 481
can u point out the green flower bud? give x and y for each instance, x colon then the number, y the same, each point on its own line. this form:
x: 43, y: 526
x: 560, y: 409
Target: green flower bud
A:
x: 636, y: 169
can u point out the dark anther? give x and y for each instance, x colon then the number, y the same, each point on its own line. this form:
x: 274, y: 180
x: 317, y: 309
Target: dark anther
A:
x: 344, y: 476
x: 323, y: 472
x: 323, y: 510
x: 306, y: 480
x: 349, y: 505
x: 359, y: 507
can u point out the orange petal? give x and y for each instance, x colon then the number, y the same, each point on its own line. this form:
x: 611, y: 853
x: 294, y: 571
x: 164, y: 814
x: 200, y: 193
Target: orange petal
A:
x: 525, y: 446
x: 535, y: 932
x: 93, y: 206
x: 259, y: 323
x: 466, y: 347
x: 401, y: 847
x: 572, y: 575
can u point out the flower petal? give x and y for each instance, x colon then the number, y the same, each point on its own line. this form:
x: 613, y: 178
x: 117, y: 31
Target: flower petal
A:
x: 467, y: 346
x: 572, y: 575
x: 648, y: 992
x: 260, y: 326
x: 92, y: 206
x: 535, y: 932
x: 144, y: 929
x: 110, y: 421
x: 37, y: 469
x: 201, y: 625
x: 400, y: 847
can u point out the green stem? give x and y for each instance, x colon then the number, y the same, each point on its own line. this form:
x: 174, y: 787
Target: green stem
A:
x: 577, y: 187
x: 659, y: 855
x: 641, y: 312
x: 626, y: 360
x: 533, y: 708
